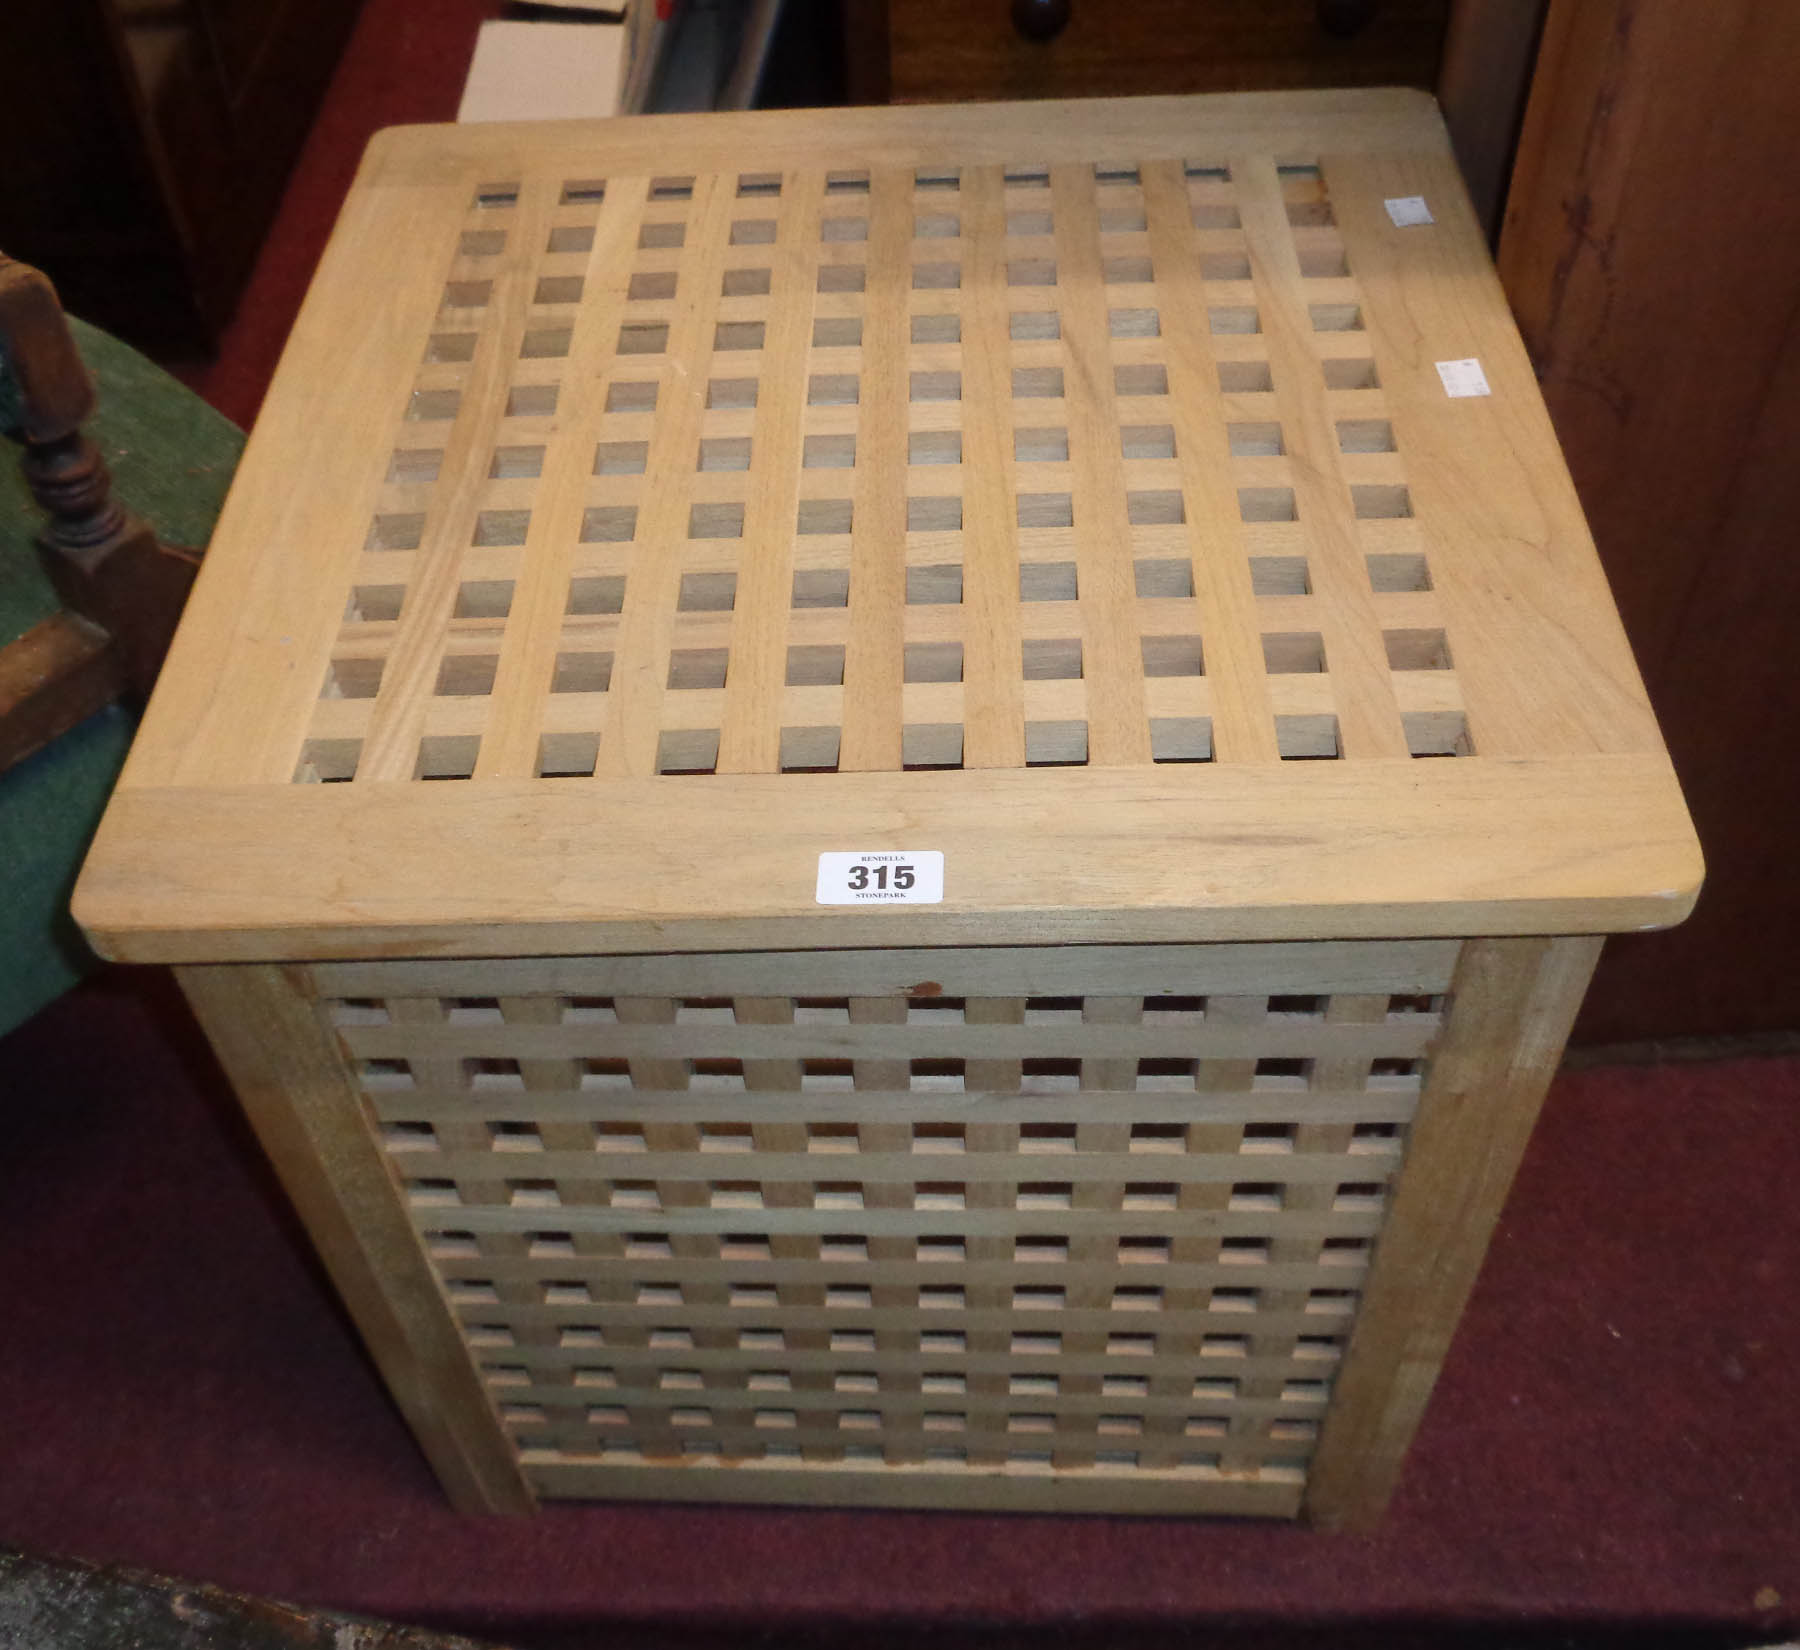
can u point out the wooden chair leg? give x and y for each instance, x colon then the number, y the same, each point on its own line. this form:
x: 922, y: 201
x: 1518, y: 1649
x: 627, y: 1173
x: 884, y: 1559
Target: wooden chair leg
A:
x: 104, y: 563
x: 54, y: 676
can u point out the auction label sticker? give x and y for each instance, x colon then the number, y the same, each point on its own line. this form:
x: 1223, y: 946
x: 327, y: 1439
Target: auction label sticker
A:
x: 897, y: 878
x: 1463, y: 377
x: 1406, y: 211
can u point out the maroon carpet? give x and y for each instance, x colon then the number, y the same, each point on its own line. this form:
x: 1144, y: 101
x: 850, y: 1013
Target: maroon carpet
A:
x: 1614, y: 1444
x: 1614, y: 1440
x: 406, y: 62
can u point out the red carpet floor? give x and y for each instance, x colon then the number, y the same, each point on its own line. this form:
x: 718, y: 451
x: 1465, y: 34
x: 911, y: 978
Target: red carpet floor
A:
x: 406, y: 62
x: 1614, y: 1442
x: 1614, y: 1451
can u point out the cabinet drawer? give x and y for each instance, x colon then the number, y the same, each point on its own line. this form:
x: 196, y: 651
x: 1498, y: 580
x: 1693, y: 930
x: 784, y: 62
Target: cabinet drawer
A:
x: 949, y: 50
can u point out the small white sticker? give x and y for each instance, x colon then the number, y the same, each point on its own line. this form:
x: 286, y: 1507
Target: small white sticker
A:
x: 881, y: 879
x: 1463, y: 377
x: 1408, y: 210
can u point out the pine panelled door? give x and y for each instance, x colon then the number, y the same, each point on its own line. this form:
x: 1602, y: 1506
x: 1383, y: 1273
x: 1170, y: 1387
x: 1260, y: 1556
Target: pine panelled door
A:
x: 902, y: 806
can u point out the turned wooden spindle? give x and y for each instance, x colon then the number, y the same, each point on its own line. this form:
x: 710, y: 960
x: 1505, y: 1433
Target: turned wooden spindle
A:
x: 63, y: 468
x: 104, y: 562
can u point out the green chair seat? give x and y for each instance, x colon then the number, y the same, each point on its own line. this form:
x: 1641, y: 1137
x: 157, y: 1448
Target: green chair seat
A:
x: 172, y: 458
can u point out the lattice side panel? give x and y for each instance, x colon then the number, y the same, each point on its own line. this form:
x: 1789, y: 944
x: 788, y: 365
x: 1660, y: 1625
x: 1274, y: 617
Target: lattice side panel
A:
x: 853, y: 470
x: 1103, y: 1235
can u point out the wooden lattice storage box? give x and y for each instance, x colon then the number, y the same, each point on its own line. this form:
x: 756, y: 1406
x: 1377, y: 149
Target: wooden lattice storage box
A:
x: 1134, y: 527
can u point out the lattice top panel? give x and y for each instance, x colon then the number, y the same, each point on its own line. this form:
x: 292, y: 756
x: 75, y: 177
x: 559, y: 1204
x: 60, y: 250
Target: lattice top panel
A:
x: 639, y: 461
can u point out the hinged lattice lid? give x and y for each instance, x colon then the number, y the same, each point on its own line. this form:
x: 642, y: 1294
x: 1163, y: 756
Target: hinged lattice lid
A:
x: 1071, y: 489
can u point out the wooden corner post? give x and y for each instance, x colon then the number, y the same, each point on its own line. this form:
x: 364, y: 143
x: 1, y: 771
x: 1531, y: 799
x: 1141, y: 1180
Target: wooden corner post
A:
x: 264, y: 1026
x: 1512, y: 1004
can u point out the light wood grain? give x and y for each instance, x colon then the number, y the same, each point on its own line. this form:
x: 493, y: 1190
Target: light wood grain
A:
x: 976, y: 134
x: 1243, y: 728
x: 666, y: 476
x: 751, y: 722
x: 264, y: 1029
x: 1511, y: 556
x: 362, y: 349
x: 1068, y: 490
x: 1514, y: 1003
x: 995, y: 1490
x: 527, y: 658
x: 997, y: 971
x: 776, y: 1238
x: 1118, y: 731
x: 993, y: 711
x: 874, y: 657
x: 1362, y: 693
x: 507, y: 867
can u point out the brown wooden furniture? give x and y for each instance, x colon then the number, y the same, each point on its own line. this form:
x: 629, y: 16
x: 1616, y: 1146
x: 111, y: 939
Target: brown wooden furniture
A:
x: 1652, y: 253
x: 1072, y: 492
x: 159, y: 137
x: 89, y: 594
x: 952, y: 51
x: 1476, y: 54
x: 122, y: 591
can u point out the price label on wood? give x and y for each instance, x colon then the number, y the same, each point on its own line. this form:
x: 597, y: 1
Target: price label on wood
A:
x: 881, y: 879
x: 1463, y: 378
x: 1408, y: 211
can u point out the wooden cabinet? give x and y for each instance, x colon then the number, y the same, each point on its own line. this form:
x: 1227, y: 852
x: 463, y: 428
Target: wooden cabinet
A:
x: 147, y: 145
x: 1651, y: 252
x: 1061, y: 498
x: 950, y: 50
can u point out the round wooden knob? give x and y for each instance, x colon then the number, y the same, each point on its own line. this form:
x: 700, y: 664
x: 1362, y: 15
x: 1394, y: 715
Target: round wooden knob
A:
x: 1344, y: 18
x: 1040, y: 19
